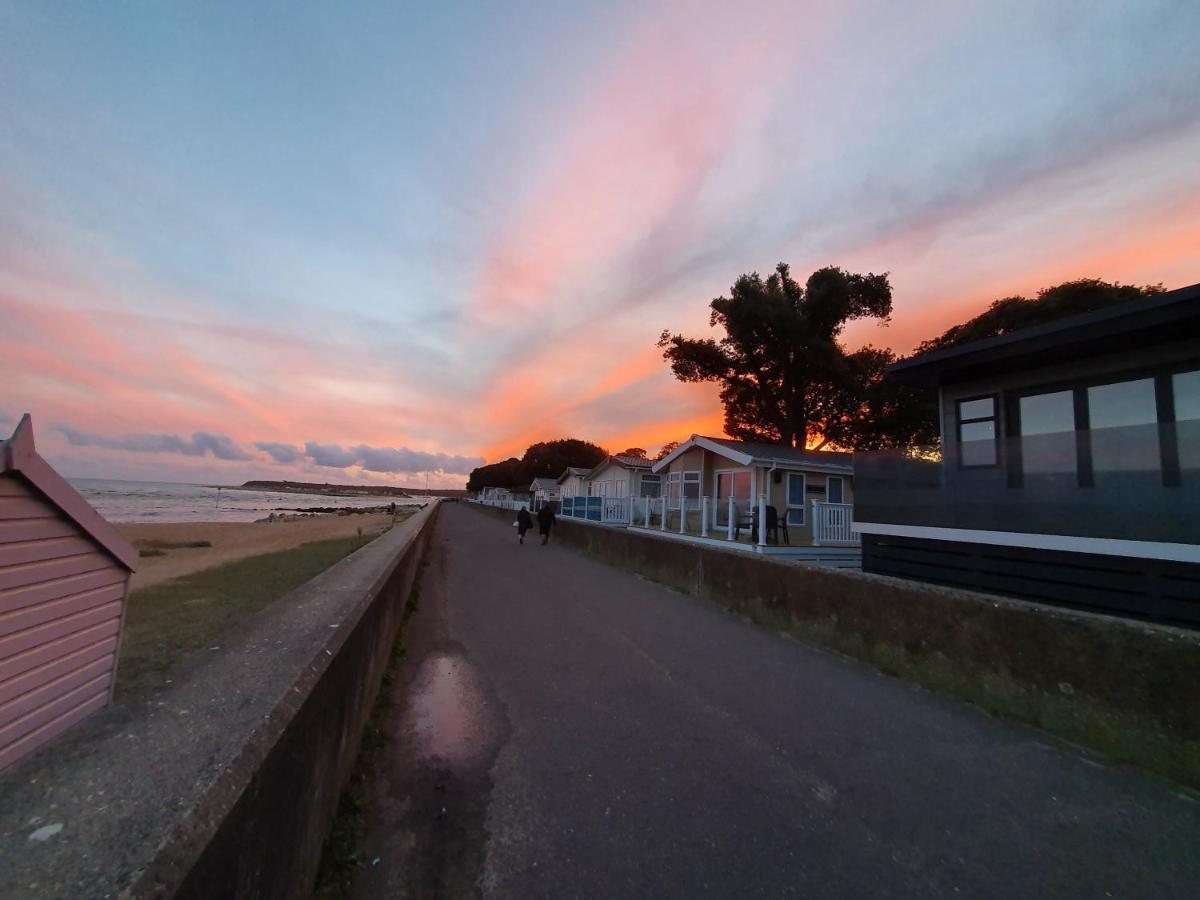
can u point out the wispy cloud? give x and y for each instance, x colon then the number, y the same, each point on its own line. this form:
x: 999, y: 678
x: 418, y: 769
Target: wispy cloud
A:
x: 200, y: 443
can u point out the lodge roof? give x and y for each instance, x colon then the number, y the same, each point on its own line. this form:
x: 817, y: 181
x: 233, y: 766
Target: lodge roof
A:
x: 18, y: 456
x: 750, y: 453
x: 572, y: 470
x: 1172, y: 316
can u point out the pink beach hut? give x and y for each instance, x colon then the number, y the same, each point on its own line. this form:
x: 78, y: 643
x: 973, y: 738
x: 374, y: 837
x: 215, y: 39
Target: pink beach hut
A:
x: 64, y: 574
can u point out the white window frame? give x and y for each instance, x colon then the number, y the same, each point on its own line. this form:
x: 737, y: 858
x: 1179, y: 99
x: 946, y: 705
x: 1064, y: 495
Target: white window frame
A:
x: 674, y: 487
x: 803, y: 498
x: 716, y: 490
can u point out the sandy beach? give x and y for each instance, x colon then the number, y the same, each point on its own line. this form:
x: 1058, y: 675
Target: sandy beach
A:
x: 234, y: 540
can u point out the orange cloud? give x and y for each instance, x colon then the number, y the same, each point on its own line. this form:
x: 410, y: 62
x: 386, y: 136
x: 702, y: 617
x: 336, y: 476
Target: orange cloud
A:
x: 666, y: 112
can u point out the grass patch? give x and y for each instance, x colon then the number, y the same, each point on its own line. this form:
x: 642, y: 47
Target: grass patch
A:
x: 1119, y: 736
x: 165, y: 621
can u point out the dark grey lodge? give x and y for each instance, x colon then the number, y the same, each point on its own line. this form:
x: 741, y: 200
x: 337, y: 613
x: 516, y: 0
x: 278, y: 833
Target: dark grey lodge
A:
x: 1070, y: 469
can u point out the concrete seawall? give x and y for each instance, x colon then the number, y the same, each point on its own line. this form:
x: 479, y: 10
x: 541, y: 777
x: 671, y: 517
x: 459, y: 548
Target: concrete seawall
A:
x: 225, y: 784
x: 1124, y: 687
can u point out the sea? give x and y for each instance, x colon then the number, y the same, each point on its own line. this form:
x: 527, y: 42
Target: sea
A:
x: 149, y: 501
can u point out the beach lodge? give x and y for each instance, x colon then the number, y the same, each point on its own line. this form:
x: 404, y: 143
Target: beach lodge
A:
x: 763, y: 498
x: 1069, y: 470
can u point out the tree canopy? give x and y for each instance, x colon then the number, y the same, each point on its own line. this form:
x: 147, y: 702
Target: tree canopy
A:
x: 1014, y: 313
x: 546, y: 459
x: 785, y: 377
x: 667, y: 449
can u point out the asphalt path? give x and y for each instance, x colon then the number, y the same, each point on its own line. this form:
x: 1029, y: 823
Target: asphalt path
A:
x: 566, y: 729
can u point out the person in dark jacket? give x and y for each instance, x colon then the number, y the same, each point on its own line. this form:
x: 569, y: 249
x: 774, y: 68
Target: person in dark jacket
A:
x: 546, y: 520
x: 524, y: 523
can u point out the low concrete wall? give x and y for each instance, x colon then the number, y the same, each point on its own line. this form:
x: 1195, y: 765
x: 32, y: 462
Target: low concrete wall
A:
x: 224, y: 785
x: 1127, y: 688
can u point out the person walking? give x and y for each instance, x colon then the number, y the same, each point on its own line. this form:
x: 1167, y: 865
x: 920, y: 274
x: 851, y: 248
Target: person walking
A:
x: 524, y: 523
x: 546, y: 520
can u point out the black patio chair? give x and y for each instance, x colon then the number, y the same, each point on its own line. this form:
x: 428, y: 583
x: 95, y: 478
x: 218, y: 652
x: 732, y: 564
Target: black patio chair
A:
x: 776, y: 524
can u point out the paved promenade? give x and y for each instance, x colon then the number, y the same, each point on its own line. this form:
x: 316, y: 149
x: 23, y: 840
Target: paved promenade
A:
x: 570, y: 730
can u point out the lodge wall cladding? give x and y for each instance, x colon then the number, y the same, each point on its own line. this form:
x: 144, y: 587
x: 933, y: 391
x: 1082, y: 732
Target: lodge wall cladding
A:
x: 1144, y: 670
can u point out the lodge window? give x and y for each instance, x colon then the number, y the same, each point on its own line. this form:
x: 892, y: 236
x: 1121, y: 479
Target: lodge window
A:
x: 1123, y: 421
x: 1048, y: 445
x: 977, y: 432
x: 651, y: 485
x: 1186, y: 389
x: 1093, y: 434
x: 795, y: 498
x: 833, y: 490
x: 691, y: 485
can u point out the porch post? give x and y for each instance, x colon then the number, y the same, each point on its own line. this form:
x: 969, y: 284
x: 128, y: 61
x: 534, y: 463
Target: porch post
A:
x: 762, y: 520
x: 816, y: 526
x: 729, y: 522
x: 704, y: 516
x: 682, y: 514
x: 662, y: 525
x: 647, y: 512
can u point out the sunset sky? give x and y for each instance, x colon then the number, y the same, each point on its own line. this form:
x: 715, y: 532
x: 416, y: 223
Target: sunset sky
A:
x: 341, y: 242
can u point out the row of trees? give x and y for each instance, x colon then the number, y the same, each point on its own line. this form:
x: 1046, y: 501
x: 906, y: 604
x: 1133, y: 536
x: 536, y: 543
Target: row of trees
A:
x: 787, y: 378
x: 546, y: 459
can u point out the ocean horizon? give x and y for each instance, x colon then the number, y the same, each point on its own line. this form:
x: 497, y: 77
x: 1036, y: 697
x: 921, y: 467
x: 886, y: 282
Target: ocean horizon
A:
x: 126, y: 501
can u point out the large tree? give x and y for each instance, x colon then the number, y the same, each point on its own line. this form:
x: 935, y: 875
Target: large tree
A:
x: 548, y: 459
x: 784, y: 376
x: 507, y: 473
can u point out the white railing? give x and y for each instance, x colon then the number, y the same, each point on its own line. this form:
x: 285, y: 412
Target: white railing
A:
x: 616, y: 510
x: 831, y: 524
x: 502, y: 502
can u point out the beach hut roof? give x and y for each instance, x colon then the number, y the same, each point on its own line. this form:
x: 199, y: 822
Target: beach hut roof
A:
x: 18, y: 456
x: 636, y: 463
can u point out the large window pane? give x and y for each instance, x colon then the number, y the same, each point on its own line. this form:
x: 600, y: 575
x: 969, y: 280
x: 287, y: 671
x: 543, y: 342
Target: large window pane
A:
x: 795, y: 489
x: 833, y: 490
x: 978, y: 443
x: 1187, y: 418
x: 1124, y: 427
x: 1048, y: 434
x: 795, y: 510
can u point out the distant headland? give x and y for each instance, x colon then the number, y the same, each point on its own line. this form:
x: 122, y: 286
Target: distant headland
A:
x: 345, y: 490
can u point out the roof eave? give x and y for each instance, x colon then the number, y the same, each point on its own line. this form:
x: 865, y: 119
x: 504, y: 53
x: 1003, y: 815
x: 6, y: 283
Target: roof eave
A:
x: 20, y: 456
